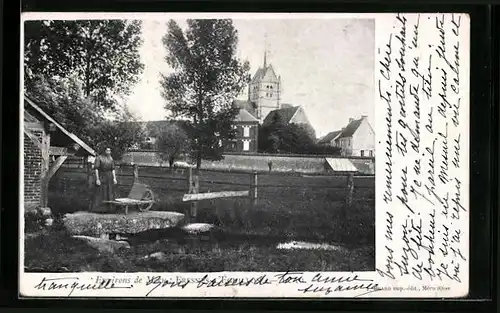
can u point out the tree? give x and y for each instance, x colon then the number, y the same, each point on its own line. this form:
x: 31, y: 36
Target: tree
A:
x: 103, y: 54
x: 171, y: 142
x: 64, y: 100
x: 279, y: 137
x: 206, y: 79
x: 119, y: 134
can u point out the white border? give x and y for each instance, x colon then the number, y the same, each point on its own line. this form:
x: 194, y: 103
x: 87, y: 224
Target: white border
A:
x: 270, y: 291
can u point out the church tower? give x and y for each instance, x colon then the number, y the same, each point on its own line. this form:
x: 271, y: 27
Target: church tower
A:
x: 265, y: 89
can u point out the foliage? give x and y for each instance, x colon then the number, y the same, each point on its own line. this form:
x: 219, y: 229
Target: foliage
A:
x: 119, y: 134
x: 64, y: 100
x: 281, y: 137
x: 206, y: 79
x: 172, y: 141
x: 103, y: 54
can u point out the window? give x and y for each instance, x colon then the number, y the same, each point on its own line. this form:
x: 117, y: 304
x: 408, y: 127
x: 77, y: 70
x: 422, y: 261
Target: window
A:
x: 362, y: 152
x: 371, y: 153
x: 246, y: 145
x: 246, y: 131
x: 271, y: 95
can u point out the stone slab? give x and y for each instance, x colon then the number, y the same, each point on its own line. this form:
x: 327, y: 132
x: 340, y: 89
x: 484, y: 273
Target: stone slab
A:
x: 95, y: 224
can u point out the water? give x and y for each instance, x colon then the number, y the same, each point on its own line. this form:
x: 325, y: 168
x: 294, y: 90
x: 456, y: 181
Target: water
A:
x: 302, y: 245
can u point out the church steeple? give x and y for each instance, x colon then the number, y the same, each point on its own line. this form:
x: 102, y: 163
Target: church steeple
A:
x: 265, y: 51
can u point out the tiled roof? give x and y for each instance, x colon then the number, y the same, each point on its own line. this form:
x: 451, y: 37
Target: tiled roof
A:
x: 262, y: 72
x: 258, y: 75
x: 244, y: 116
x: 330, y: 136
x: 351, y: 128
x: 285, y: 114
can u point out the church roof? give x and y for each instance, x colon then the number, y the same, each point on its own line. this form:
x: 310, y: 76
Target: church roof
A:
x: 266, y: 72
x: 284, y: 114
x: 244, y: 116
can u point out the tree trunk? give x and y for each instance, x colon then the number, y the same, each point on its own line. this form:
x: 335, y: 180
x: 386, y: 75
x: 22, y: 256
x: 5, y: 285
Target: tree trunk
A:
x: 198, y: 157
x: 171, y: 162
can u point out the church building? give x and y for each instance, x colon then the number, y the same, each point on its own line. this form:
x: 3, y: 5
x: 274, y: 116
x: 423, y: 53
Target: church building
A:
x: 264, y: 90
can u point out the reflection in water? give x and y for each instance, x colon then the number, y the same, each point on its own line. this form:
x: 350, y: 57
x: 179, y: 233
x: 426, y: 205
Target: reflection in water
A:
x: 307, y: 246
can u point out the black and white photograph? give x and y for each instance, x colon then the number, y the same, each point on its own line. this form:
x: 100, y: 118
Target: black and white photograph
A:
x: 199, y: 145
x: 190, y: 143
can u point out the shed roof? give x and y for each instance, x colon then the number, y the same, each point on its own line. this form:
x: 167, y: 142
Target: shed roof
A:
x: 64, y: 137
x: 341, y: 165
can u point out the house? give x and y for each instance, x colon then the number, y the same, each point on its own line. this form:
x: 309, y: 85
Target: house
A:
x: 45, y: 139
x: 330, y: 139
x: 290, y: 115
x: 356, y: 139
x: 247, y: 131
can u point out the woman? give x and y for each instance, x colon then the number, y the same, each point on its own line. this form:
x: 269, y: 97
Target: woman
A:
x: 105, y: 180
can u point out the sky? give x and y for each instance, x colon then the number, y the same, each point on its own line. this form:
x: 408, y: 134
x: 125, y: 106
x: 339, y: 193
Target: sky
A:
x: 326, y: 66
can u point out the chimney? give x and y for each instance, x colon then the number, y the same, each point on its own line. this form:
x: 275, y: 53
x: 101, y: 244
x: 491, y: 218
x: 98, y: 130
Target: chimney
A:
x: 351, y: 119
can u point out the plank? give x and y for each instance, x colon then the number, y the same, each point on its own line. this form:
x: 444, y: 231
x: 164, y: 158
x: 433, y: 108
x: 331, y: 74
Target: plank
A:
x: 215, y: 195
x: 59, y: 151
x: 34, y: 126
x: 33, y: 138
x: 55, y: 166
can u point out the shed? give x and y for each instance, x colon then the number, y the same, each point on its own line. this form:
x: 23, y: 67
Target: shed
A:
x: 340, y: 165
x: 44, y: 137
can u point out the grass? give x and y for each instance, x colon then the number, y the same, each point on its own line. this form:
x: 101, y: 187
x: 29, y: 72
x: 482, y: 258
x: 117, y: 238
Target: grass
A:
x: 56, y: 251
x: 290, y: 207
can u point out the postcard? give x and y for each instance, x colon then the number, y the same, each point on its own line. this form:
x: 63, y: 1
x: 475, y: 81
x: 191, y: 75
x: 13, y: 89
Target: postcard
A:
x: 238, y: 155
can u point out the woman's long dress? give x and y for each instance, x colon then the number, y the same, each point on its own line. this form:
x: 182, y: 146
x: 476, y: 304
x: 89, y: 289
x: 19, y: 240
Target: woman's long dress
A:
x: 106, y: 191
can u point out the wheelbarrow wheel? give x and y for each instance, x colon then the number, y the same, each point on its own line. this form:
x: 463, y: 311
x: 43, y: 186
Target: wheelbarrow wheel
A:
x: 148, y: 196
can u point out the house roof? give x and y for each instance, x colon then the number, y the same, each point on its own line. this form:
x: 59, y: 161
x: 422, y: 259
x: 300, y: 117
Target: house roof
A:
x: 67, y: 136
x: 351, y: 128
x: 285, y: 114
x: 330, y: 136
x: 244, y: 116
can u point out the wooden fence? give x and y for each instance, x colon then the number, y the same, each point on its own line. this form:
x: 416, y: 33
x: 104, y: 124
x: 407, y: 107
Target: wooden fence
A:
x: 193, y: 194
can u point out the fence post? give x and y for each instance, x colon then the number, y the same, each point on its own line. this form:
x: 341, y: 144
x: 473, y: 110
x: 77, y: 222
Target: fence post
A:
x: 194, y: 204
x: 193, y: 187
x: 350, y: 189
x: 253, y: 188
x: 190, y: 179
x: 136, y: 173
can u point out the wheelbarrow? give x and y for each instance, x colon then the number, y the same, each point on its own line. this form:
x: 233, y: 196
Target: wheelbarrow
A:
x: 140, y: 196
